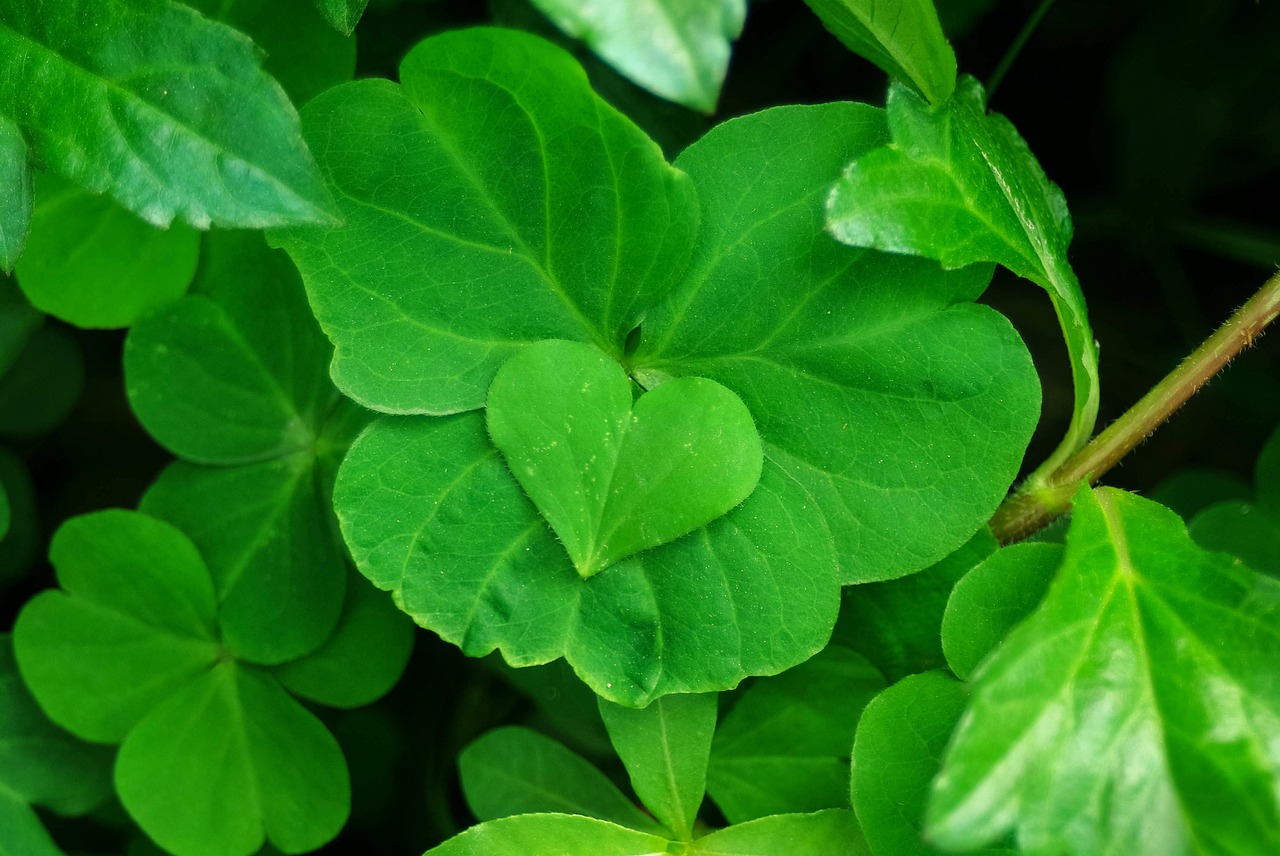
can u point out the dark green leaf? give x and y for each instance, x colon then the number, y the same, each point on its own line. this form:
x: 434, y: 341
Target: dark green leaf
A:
x: 896, y: 754
x: 992, y: 598
x: 16, y: 195
x: 254, y: 764
x: 899, y: 405
x: 94, y: 264
x: 902, y: 37
x: 167, y: 111
x: 784, y: 747
x: 960, y: 185
x: 18, y: 548
x: 343, y: 15
x: 833, y: 832
x: 1136, y: 711
x: 363, y: 659
x: 43, y: 384
x: 544, y: 212
x: 566, y: 707
x: 512, y: 771
x: 665, y: 748
x: 562, y: 834
x: 678, y: 49
x: 18, y: 321
x: 1190, y: 491
x: 134, y: 621
x: 1249, y: 531
x: 613, y: 479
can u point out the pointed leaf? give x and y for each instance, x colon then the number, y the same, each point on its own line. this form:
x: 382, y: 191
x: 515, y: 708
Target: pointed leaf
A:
x: 902, y: 37
x: 666, y: 747
x: 512, y: 771
x: 16, y: 194
x: 342, y: 15
x: 833, y: 832
x: 562, y: 834
x: 960, y: 185
x: 21, y: 833
x: 167, y: 111
x: 255, y: 765
x: 533, y: 198
x: 1136, y: 711
x: 678, y: 49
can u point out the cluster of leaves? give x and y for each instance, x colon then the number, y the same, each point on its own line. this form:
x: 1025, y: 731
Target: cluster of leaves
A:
x: 721, y: 434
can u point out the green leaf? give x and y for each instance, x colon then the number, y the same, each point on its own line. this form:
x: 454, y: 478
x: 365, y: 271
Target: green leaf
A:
x: 469, y: 557
x: 4, y: 512
x: 1250, y: 531
x: 512, y: 771
x: 678, y: 49
x: 897, y: 752
x: 902, y: 37
x: 992, y: 598
x: 545, y: 214
x: 39, y: 763
x: 167, y: 111
x: 18, y: 321
x: 665, y: 748
x: 562, y: 834
x: 1136, y: 711
x: 255, y: 765
x: 134, y: 621
x: 960, y: 185
x: 363, y: 659
x: 342, y: 15
x: 902, y: 407
x: 19, y: 547
x: 302, y: 51
x: 784, y: 747
x: 21, y: 833
x: 629, y: 477
x: 94, y: 264
x: 896, y: 624
x: 43, y: 384
x: 833, y: 832
x: 17, y: 192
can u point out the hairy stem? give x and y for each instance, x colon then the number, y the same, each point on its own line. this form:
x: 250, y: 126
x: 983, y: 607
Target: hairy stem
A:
x: 1031, y: 508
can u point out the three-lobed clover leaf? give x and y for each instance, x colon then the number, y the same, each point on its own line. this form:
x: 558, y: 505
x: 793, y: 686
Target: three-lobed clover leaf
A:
x: 493, y: 202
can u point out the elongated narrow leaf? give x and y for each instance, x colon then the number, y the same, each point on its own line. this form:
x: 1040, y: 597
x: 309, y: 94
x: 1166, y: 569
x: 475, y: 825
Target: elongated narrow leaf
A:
x: 665, y: 748
x: 678, y: 49
x: 902, y: 37
x: 343, y: 15
x: 544, y: 214
x: 960, y: 185
x: 167, y: 111
x: 562, y: 834
x: 1136, y: 711
x: 899, y: 404
x: 511, y: 771
x: 21, y: 833
x: 833, y: 832
x: 16, y: 195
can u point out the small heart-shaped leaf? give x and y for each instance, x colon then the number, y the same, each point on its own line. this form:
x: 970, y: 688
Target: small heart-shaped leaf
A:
x: 611, y: 478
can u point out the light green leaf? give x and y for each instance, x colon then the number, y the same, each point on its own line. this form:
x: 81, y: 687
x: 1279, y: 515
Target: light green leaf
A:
x: 512, y: 771
x: 545, y: 214
x: 959, y: 185
x: 992, y: 598
x: 902, y: 407
x: 134, y: 621
x: 896, y: 754
x: 167, y: 111
x: 665, y: 748
x: 678, y: 49
x: 363, y: 659
x: 833, y: 832
x: 1136, y: 711
x: 562, y: 834
x: 94, y: 264
x: 784, y: 747
x: 343, y: 15
x: 255, y: 765
x: 902, y: 37
x: 21, y: 833
x: 612, y: 478
x: 16, y: 192
x: 468, y: 556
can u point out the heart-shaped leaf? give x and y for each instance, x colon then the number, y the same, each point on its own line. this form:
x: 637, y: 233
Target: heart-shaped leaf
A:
x: 613, y: 479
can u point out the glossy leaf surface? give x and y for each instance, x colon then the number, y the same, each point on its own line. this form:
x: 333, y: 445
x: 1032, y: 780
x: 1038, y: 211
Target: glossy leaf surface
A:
x: 665, y: 748
x: 784, y: 747
x: 678, y: 49
x: 95, y: 264
x: 18, y: 197
x: 833, y: 832
x: 165, y: 110
x: 961, y: 186
x: 570, y: 835
x: 612, y: 478
x: 902, y: 37
x: 513, y: 770
x: 1137, y: 710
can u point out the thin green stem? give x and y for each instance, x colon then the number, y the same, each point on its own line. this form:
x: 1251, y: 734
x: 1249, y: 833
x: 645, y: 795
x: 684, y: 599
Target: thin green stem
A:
x: 1030, y: 509
x: 1016, y: 48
